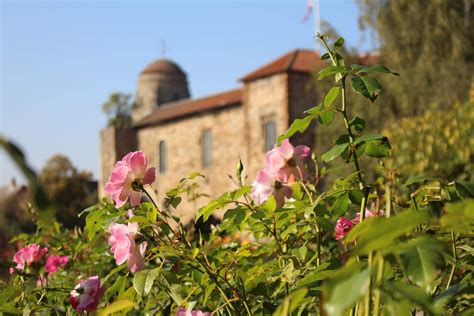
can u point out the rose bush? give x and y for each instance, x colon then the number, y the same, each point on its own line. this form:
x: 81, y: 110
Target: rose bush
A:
x: 286, y: 244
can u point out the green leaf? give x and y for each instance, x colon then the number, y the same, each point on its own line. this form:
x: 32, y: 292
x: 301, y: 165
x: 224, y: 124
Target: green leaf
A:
x: 420, y: 258
x: 208, y: 209
x: 347, y: 290
x: 175, y: 201
x: 116, y: 288
x: 315, y: 110
x: 378, y: 233
x: 269, y: 205
x: 356, y: 196
x: 326, y: 118
x: 129, y: 294
x: 414, y: 294
x: 10, y: 310
x: 152, y: 214
x: 332, y: 70
x: 143, y: 281
x: 373, y: 69
x: 368, y: 87
x: 320, y: 273
x: 9, y: 293
x: 331, y: 96
x: 339, y: 42
x: 94, y: 223
x: 418, y: 179
x: 342, y: 143
x: 422, y: 266
x: 358, y: 124
x: 341, y: 205
x: 378, y: 148
x: 117, y: 306
x: 325, y: 56
x: 298, y: 125
x: 367, y: 137
x: 465, y: 189
x: 459, y: 217
x: 291, y: 302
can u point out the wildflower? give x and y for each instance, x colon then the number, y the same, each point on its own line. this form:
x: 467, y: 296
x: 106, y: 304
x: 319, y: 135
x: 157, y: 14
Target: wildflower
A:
x: 86, y: 296
x: 124, y: 248
x: 184, y: 312
x: 54, y: 262
x: 343, y: 227
x: 28, y: 255
x: 264, y: 186
x: 128, y: 175
x: 285, y: 162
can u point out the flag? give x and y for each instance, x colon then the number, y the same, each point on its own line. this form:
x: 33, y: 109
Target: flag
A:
x: 309, y: 10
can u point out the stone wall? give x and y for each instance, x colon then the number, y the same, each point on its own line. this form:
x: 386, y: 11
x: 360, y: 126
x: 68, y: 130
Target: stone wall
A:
x: 302, y: 96
x: 237, y: 132
x: 114, y: 144
x: 183, y: 139
x: 265, y: 99
x: 154, y: 89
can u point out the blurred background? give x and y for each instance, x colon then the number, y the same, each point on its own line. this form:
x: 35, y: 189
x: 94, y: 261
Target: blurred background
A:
x: 70, y: 68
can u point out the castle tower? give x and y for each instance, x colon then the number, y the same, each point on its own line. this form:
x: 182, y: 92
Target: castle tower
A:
x: 160, y: 82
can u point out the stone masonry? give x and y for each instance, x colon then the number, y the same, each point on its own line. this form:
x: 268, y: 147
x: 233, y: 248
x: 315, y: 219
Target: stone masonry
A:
x: 278, y: 92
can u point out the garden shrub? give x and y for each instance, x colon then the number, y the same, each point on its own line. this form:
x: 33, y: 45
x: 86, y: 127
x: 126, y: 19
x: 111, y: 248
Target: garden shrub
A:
x: 437, y: 143
x: 283, y: 246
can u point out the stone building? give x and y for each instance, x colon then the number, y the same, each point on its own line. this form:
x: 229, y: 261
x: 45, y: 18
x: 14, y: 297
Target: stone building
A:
x: 180, y: 135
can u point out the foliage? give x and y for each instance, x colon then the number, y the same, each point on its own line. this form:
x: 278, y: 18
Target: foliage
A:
x: 437, y: 144
x: 405, y: 252
x: 118, y: 108
x: 436, y: 58
x: 68, y: 189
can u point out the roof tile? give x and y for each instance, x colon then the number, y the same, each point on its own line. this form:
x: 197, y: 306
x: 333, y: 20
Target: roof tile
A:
x: 187, y: 107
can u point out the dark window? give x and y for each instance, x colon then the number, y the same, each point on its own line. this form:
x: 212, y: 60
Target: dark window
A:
x: 163, y: 157
x: 269, y: 132
x: 207, y: 148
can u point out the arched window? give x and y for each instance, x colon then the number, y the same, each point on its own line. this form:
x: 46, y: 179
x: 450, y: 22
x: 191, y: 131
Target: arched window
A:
x: 206, y: 148
x: 269, y: 133
x: 162, y: 157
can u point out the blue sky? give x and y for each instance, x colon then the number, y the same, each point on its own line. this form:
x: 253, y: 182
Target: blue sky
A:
x: 60, y: 60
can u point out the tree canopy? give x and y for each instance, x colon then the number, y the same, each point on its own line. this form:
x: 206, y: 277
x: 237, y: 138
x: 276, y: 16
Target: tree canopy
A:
x: 118, y: 108
x: 430, y: 43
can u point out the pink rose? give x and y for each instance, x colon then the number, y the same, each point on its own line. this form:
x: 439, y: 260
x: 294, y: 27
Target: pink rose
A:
x: 28, y: 255
x: 184, y: 312
x: 54, y: 262
x: 265, y: 185
x: 283, y: 164
x: 124, y: 248
x: 343, y: 227
x: 286, y: 163
x: 368, y: 214
x: 86, y: 295
x: 132, y: 168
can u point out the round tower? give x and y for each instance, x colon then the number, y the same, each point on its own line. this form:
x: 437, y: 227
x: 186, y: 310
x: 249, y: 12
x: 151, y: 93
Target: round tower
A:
x: 160, y: 82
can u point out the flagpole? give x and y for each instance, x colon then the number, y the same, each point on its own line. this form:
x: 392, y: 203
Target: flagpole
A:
x: 317, y: 26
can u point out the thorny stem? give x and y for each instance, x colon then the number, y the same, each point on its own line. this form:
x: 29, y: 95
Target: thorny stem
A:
x: 453, y: 268
x: 163, y: 213
x: 362, y: 184
x: 205, y: 265
x: 270, y: 230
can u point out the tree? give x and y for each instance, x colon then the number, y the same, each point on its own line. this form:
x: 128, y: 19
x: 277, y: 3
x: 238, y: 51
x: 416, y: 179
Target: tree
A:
x: 69, y: 190
x: 118, y: 108
x: 433, y: 41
